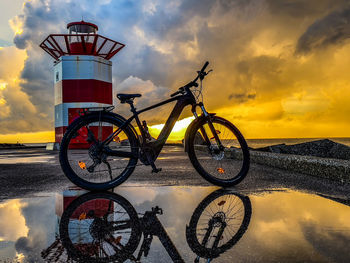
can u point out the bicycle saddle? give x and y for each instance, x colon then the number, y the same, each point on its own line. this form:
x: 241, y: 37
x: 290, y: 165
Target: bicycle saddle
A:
x: 124, y: 97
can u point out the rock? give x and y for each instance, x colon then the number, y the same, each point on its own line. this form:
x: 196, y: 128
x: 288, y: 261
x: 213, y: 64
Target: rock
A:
x: 340, y: 151
x: 320, y: 148
x: 329, y: 168
x: 273, y: 148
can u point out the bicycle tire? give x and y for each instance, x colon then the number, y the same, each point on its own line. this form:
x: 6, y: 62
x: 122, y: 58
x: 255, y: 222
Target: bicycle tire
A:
x: 240, y: 163
x: 192, y: 233
x: 71, y: 172
x: 81, y: 255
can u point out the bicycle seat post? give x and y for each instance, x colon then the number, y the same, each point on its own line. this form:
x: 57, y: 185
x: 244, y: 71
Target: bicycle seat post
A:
x: 132, y: 107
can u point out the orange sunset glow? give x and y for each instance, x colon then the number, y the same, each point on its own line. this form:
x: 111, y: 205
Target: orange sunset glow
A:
x: 279, y: 70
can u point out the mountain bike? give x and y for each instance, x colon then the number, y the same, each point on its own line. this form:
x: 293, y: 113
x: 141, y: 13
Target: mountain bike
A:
x: 100, y: 149
x: 105, y: 227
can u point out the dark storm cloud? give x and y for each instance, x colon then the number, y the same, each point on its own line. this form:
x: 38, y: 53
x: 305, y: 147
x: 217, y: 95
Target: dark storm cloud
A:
x: 333, y: 29
x: 29, y: 248
x: 302, y: 8
x: 241, y: 97
x: 36, y: 18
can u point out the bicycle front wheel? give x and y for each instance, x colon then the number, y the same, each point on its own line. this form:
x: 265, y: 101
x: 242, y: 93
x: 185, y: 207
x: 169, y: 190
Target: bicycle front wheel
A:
x: 218, y: 151
x: 218, y: 223
x: 92, y: 166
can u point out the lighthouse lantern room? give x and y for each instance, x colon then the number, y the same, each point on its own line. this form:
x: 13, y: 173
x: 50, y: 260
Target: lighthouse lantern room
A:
x: 82, y: 72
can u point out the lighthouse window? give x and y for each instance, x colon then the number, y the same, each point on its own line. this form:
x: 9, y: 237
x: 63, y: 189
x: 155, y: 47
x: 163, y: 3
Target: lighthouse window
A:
x: 81, y: 29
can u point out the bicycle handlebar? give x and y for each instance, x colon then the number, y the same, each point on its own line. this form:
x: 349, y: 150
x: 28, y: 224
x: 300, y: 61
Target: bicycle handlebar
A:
x: 193, y: 83
x: 204, y: 66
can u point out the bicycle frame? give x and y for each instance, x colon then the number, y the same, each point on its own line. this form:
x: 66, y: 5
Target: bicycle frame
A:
x: 157, y: 145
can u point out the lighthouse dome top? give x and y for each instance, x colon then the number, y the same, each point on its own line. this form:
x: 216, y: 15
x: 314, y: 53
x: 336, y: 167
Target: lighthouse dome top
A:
x: 82, y: 27
x: 82, y: 39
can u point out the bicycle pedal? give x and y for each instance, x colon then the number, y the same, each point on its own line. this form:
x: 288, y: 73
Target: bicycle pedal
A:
x: 156, y: 170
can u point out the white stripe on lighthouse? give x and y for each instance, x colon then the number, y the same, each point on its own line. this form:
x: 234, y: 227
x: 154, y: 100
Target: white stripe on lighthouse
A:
x: 83, y: 67
x: 61, y: 111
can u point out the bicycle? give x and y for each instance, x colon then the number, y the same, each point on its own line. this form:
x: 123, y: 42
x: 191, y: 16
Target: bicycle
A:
x: 112, y: 146
x: 105, y: 227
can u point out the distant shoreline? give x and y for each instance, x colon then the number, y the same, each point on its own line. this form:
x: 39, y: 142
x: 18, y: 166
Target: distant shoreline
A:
x: 252, y: 143
x: 10, y: 146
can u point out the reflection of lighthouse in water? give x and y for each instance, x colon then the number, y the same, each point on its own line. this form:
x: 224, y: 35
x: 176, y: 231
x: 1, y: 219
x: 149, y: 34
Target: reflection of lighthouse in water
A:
x: 82, y: 74
x: 77, y: 226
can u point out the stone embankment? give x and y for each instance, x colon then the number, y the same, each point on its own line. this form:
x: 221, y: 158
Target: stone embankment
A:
x: 323, y: 158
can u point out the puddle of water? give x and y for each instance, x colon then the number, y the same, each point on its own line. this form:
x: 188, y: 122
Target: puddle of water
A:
x: 15, y: 156
x: 274, y: 226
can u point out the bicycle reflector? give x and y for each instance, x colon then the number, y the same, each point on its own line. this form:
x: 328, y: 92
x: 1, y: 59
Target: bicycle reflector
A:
x: 221, y: 170
x: 82, y: 216
x: 118, y: 239
x: 221, y: 203
x: 217, y: 132
x: 82, y: 165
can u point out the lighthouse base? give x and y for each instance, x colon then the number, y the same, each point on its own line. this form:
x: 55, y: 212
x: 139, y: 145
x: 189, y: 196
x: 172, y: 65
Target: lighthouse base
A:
x: 53, y: 146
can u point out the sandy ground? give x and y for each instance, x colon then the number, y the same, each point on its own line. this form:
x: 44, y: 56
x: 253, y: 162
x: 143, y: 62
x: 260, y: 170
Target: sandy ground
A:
x: 28, y: 172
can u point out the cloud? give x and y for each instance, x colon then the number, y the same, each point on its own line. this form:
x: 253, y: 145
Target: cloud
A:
x: 251, y: 46
x: 333, y: 29
x: 241, y: 97
x: 151, y: 94
x: 327, y: 242
x: 17, y: 111
x: 12, y: 221
x: 41, y: 229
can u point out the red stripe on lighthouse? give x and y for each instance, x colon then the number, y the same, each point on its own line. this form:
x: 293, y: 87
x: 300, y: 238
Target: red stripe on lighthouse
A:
x: 86, y: 90
x: 80, y: 141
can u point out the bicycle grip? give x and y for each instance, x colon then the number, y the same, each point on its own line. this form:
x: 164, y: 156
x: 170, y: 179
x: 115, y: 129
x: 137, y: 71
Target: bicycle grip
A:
x: 205, y: 65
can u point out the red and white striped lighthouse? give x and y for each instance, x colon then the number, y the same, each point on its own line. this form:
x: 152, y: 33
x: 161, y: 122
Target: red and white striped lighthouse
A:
x: 82, y: 72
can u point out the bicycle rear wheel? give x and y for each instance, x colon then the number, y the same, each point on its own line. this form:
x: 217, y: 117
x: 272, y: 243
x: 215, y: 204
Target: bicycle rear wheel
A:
x: 226, y: 164
x: 89, y: 165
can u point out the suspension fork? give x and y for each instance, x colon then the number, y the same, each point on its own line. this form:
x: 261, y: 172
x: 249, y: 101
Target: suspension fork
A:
x: 210, y: 124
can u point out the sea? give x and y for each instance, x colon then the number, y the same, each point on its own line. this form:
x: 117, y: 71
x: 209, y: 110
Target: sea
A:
x: 258, y: 143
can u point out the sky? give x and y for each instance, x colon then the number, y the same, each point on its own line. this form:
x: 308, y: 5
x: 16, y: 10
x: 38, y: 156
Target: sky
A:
x: 280, y: 68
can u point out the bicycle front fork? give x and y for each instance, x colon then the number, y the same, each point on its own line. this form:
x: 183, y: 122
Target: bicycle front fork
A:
x: 210, y: 124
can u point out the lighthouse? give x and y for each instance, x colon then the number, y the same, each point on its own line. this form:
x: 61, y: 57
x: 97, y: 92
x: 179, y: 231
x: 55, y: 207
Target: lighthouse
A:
x: 82, y: 73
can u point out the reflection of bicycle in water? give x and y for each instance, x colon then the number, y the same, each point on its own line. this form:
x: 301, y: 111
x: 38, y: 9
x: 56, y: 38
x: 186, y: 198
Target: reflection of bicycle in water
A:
x: 217, y: 224
x: 104, y: 227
